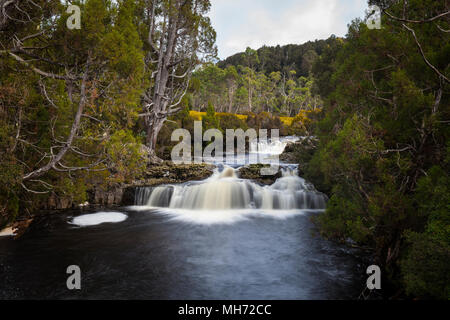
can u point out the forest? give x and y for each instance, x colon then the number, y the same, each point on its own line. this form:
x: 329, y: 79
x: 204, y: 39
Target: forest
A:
x: 95, y: 107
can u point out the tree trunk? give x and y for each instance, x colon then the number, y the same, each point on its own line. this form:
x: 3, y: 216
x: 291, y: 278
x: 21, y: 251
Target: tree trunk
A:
x: 250, y: 94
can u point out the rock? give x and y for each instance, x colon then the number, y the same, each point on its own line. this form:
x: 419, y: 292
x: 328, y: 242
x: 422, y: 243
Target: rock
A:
x: 128, y: 197
x: 64, y: 203
x: 300, y: 152
x: 253, y: 172
x: 170, y: 173
x: 21, y: 227
x: 124, y: 194
x: 108, y: 198
x: 166, y: 173
x: 84, y: 205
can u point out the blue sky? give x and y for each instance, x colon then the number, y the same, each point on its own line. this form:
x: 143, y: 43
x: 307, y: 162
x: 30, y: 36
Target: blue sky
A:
x: 254, y: 23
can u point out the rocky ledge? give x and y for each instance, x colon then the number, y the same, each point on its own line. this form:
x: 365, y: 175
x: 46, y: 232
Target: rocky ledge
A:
x: 253, y: 172
x: 119, y: 195
x: 167, y: 173
x: 300, y: 152
x: 123, y: 194
x: 170, y: 173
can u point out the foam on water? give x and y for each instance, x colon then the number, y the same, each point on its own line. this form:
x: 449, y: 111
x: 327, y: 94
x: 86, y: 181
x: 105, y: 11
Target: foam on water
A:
x: 225, y: 198
x: 207, y: 217
x: 272, y: 146
x: 99, y: 218
x: 225, y: 191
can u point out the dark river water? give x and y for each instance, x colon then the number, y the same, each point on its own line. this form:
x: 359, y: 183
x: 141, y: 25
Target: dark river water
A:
x: 154, y: 256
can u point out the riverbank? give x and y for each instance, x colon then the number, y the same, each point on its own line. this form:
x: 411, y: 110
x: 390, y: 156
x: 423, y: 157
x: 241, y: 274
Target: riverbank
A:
x: 122, y: 195
x: 300, y: 152
x: 113, y: 196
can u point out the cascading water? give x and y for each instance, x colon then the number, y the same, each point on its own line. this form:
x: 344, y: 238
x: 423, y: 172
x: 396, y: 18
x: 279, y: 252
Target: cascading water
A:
x: 225, y: 191
x: 271, y: 147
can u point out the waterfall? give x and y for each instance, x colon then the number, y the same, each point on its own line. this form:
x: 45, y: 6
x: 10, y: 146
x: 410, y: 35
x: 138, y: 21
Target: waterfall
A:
x: 271, y: 147
x: 225, y: 191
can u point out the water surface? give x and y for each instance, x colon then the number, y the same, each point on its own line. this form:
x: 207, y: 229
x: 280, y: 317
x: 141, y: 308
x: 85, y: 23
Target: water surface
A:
x: 151, y: 255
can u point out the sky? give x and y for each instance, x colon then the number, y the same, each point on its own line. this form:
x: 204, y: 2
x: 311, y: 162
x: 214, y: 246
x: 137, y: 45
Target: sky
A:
x: 253, y: 23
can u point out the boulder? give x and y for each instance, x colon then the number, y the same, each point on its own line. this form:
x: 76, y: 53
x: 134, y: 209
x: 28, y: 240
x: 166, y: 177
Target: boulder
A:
x: 253, y: 172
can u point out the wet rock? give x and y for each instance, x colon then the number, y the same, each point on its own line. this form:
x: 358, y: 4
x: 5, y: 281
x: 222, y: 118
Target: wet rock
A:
x: 170, y: 173
x: 107, y: 198
x: 253, y: 172
x: 8, y: 232
x: 20, y: 227
x: 167, y: 173
x: 124, y: 194
x: 300, y: 152
x: 128, y: 197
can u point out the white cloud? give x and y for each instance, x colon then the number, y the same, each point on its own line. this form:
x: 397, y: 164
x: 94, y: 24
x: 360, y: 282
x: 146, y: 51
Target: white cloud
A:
x: 253, y: 23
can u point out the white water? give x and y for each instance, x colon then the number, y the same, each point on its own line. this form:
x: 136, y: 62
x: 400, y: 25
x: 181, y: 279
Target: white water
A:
x: 271, y: 147
x: 99, y: 218
x: 7, y: 232
x: 263, y: 152
x: 224, y: 191
x: 225, y: 198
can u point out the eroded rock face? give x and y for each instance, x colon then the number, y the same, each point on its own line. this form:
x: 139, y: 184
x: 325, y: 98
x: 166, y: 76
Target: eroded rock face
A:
x: 58, y: 203
x: 120, y: 195
x: 169, y: 173
x: 253, y: 172
x: 108, y: 198
x: 300, y: 153
x: 123, y: 195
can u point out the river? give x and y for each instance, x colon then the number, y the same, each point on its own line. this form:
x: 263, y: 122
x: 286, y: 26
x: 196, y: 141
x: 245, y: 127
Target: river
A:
x: 222, y: 238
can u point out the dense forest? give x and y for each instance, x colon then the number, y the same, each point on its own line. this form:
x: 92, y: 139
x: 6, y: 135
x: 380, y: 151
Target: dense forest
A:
x: 384, y: 154
x: 272, y: 79
x: 82, y: 107
x: 96, y: 106
x: 296, y: 57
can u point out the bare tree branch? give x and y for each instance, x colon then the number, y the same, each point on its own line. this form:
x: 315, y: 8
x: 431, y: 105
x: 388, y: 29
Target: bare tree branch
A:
x: 417, y: 21
x: 441, y: 75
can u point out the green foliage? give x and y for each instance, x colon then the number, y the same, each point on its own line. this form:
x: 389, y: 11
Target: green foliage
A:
x: 231, y: 121
x: 425, y: 267
x: 210, y: 121
x: 281, y: 58
x: 383, y: 147
x: 265, y: 120
x: 37, y: 112
x: 243, y: 88
x: 125, y: 156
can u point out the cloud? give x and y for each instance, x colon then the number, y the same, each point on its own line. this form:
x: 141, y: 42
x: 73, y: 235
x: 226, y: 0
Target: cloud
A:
x: 254, y: 23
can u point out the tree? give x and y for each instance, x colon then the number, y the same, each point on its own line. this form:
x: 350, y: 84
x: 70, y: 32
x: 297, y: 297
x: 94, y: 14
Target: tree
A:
x: 384, y: 142
x: 178, y: 36
x: 232, y: 78
x: 251, y: 59
x: 73, y: 96
x: 210, y: 121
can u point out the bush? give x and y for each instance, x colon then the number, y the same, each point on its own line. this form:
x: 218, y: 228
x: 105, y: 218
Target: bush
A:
x: 231, y: 121
x: 266, y: 120
x: 425, y: 267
